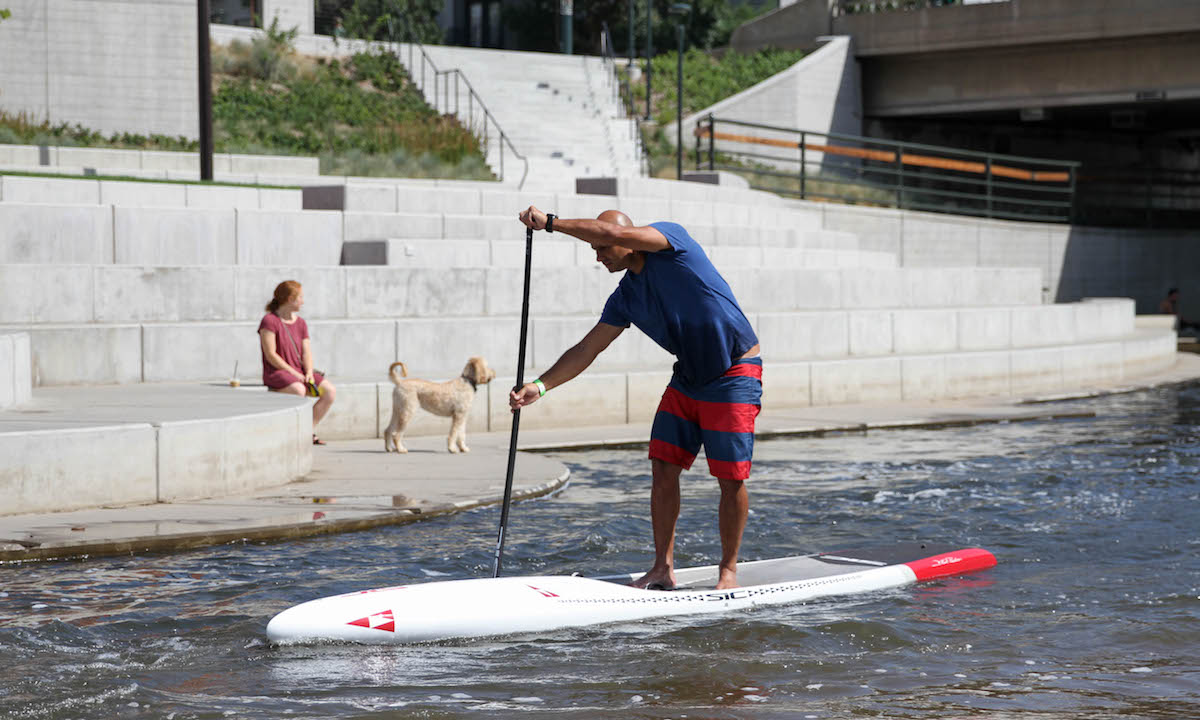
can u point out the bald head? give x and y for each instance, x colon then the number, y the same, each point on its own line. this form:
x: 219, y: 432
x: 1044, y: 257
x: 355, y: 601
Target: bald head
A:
x: 616, y: 217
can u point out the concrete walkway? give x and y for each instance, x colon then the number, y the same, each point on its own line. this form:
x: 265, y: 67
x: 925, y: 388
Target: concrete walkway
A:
x: 354, y: 485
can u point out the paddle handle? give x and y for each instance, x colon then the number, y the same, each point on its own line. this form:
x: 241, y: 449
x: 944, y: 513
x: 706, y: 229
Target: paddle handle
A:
x: 516, y: 414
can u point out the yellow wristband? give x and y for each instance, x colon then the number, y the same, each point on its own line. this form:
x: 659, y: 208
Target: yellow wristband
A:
x: 541, y: 386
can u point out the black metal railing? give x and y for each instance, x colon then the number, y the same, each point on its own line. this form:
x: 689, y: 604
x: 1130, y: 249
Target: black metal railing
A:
x: 872, y: 171
x: 444, y: 101
x: 622, y: 85
x: 1138, y: 197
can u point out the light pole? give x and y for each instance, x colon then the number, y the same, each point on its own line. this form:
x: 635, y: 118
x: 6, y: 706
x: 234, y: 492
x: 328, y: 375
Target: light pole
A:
x: 680, y: 11
x: 566, y: 8
x: 630, y: 46
x: 205, y: 87
x: 649, y: 50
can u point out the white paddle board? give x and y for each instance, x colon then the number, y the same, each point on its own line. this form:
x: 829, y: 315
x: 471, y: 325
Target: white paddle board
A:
x: 499, y: 606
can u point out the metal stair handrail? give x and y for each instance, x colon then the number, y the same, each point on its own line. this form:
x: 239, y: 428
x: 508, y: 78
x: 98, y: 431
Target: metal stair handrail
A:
x: 623, y: 88
x: 441, y: 87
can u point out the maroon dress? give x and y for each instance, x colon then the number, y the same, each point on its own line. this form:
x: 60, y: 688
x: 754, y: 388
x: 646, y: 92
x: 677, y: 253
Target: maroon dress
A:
x: 290, y: 350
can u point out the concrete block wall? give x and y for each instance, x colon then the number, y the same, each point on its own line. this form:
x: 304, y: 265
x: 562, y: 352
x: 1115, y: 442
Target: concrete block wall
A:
x: 110, y: 65
x: 143, y: 462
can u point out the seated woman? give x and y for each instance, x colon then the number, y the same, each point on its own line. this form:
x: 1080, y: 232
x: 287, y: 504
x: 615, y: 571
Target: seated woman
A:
x: 287, y: 352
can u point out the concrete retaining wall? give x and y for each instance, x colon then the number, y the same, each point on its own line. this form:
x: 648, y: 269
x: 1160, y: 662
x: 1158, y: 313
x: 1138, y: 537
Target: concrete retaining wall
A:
x: 53, y: 470
x: 16, y: 378
x: 821, y: 94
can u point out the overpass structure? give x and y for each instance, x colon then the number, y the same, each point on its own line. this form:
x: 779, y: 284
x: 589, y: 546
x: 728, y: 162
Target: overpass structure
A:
x: 1112, y: 83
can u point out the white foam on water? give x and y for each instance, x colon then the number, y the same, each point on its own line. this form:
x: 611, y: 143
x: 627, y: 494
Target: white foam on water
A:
x: 1141, y: 670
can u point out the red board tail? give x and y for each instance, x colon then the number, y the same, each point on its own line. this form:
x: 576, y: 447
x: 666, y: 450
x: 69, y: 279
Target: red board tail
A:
x: 952, y: 563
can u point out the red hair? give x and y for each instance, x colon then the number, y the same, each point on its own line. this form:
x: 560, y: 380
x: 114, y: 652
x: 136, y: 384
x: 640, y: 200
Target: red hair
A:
x: 284, y: 292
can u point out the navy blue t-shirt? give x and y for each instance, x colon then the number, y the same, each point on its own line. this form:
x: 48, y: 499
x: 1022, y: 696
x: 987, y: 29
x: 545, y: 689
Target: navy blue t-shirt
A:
x: 682, y: 302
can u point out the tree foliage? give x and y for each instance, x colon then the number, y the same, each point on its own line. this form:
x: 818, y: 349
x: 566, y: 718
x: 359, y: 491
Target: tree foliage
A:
x: 395, y: 20
x: 709, y: 24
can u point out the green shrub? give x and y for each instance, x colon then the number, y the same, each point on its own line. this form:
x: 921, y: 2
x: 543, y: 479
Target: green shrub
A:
x: 708, y: 79
x: 361, y: 116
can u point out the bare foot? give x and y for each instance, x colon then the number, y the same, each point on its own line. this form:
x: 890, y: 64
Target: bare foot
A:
x: 727, y: 580
x: 656, y: 579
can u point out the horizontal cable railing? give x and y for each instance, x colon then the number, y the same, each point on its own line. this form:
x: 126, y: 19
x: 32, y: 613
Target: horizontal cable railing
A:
x: 622, y: 85
x: 444, y: 101
x: 871, y: 171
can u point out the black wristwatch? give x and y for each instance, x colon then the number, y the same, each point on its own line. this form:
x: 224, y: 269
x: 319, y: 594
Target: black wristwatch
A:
x: 550, y: 222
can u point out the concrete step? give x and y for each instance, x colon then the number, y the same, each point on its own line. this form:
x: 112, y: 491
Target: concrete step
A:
x: 121, y: 293
x: 103, y: 234
x: 135, y: 352
x: 51, y: 157
x: 84, y: 191
x: 413, y: 253
x: 551, y: 107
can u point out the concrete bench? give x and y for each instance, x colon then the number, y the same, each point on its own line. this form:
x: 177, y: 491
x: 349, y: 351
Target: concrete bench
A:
x: 132, y: 352
x: 88, y: 447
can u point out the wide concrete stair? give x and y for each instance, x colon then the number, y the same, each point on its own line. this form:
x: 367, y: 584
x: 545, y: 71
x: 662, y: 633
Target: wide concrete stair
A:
x: 132, y: 288
x: 560, y: 111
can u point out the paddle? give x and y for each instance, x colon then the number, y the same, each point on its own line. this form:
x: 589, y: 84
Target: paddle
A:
x: 516, y: 415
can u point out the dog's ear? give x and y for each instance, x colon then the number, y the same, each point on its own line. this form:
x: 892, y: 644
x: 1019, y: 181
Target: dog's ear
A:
x: 477, y: 370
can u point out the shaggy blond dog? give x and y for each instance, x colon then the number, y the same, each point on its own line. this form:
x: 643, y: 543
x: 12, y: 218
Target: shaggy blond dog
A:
x: 450, y: 399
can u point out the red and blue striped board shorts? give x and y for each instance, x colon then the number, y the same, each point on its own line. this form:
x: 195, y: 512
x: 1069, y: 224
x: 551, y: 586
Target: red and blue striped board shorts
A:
x: 720, y: 416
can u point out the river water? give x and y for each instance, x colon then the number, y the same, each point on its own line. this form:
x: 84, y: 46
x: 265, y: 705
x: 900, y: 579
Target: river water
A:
x: 1092, y: 612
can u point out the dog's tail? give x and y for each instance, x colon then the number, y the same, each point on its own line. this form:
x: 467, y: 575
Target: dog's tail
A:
x: 392, y: 371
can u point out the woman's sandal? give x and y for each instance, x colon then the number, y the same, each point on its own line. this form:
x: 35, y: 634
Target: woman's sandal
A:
x: 317, y: 440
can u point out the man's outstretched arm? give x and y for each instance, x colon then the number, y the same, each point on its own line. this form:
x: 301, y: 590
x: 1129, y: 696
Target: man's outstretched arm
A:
x: 600, y: 233
x: 574, y: 361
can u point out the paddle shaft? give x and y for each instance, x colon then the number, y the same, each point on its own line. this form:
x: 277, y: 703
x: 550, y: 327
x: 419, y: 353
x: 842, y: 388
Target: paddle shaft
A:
x: 516, y: 414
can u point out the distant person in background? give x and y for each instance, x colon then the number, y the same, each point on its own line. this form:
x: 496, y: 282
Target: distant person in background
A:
x: 287, y: 352
x: 1170, y: 306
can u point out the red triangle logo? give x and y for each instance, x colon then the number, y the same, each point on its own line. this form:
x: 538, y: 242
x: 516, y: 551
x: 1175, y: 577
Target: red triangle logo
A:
x: 379, y: 621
